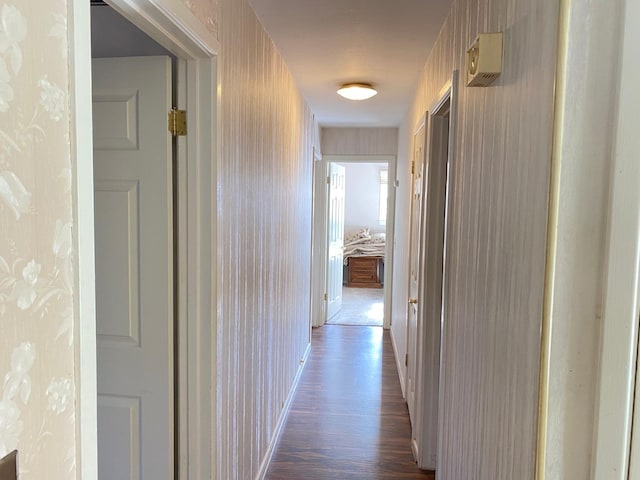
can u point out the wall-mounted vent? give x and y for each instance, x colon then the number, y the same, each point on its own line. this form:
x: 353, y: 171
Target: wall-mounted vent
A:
x: 484, y: 60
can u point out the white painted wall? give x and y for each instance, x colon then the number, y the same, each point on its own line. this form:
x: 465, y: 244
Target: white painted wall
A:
x: 362, y: 196
x: 496, y: 238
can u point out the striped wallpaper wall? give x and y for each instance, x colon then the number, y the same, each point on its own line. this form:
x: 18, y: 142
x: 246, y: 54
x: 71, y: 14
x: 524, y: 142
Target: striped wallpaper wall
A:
x: 359, y: 141
x: 264, y: 238
x: 496, y: 238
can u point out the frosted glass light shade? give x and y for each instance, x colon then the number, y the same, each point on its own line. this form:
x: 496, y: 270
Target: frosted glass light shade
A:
x: 357, y: 91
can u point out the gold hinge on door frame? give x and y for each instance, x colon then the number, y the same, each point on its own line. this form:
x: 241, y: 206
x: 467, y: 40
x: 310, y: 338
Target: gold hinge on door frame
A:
x: 328, y: 180
x: 413, y: 168
x: 406, y: 359
x: 178, y: 122
x: 326, y: 297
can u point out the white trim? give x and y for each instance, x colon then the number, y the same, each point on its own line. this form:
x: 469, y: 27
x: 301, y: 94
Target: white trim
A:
x: 449, y: 207
x: 559, y: 101
x: 399, y: 365
x: 616, y: 449
x: 277, y: 433
x: 421, y: 124
x: 422, y: 441
x: 84, y: 305
x: 171, y: 24
x: 196, y: 272
x: 202, y: 114
x: 360, y: 158
x: 181, y: 286
x: 445, y: 94
x: 391, y: 161
x: 318, y: 241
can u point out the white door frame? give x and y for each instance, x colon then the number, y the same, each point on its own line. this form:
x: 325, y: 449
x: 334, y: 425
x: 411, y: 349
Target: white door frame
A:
x: 321, y: 267
x: 173, y: 25
x: 319, y: 241
x: 426, y: 431
x: 616, y: 450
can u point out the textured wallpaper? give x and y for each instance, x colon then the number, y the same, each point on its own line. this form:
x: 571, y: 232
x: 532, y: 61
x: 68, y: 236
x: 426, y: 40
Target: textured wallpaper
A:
x: 264, y: 243
x: 496, y: 239
x: 207, y: 12
x: 359, y: 141
x: 36, y: 272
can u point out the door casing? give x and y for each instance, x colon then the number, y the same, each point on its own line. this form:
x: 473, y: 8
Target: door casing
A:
x: 319, y: 226
x: 617, y: 446
x: 318, y: 304
x: 426, y: 432
x: 176, y: 28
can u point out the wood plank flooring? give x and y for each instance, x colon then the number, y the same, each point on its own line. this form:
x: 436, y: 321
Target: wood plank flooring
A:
x: 348, y: 419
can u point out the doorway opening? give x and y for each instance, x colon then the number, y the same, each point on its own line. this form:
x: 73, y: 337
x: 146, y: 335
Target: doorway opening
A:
x: 360, y: 275
x: 135, y: 166
x: 190, y: 354
x: 431, y: 309
x: 366, y: 238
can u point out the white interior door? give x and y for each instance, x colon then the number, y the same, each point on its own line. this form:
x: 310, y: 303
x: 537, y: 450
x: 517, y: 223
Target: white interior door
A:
x: 414, y: 265
x: 335, y: 238
x: 134, y: 267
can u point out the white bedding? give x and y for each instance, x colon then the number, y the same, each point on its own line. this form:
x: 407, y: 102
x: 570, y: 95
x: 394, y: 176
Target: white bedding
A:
x: 363, y: 244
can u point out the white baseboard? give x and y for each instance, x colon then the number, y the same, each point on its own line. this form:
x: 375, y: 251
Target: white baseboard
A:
x: 266, y: 461
x: 399, y: 364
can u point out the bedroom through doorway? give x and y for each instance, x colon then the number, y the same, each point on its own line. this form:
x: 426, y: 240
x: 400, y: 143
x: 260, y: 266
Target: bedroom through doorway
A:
x: 364, y: 197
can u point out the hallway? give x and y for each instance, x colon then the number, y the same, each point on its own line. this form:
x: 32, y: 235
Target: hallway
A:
x: 348, y: 419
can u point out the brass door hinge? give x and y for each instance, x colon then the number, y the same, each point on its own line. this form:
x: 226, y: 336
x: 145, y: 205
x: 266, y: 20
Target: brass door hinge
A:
x: 413, y: 168
x: 178, y: 122
x: 328, y: 180
x: 326, y: 297
x: 406, y: 359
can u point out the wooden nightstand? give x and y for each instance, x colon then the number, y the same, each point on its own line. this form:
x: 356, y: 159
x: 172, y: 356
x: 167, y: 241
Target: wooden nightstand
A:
x: 364, y: 272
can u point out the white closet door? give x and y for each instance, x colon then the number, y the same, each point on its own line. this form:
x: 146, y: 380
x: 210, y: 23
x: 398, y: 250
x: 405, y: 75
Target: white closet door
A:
x: 134, y: 267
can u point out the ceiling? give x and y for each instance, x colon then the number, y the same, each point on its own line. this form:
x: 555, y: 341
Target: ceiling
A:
x: 326, y: 43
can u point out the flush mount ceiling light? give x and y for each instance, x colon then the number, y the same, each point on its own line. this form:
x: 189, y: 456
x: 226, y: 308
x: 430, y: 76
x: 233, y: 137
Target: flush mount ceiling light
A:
x: 357, y: 91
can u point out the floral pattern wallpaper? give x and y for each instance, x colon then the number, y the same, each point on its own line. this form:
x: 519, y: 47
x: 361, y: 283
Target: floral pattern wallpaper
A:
x: 36, y: 256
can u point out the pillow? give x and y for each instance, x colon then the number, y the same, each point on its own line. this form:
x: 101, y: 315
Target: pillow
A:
x: 362, y: 233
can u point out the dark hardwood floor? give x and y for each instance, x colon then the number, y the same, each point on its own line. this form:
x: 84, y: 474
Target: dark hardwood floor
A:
x: 348, y: 419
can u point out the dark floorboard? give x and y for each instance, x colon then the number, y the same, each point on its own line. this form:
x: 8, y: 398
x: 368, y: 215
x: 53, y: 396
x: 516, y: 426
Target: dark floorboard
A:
x: 348, y: 419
